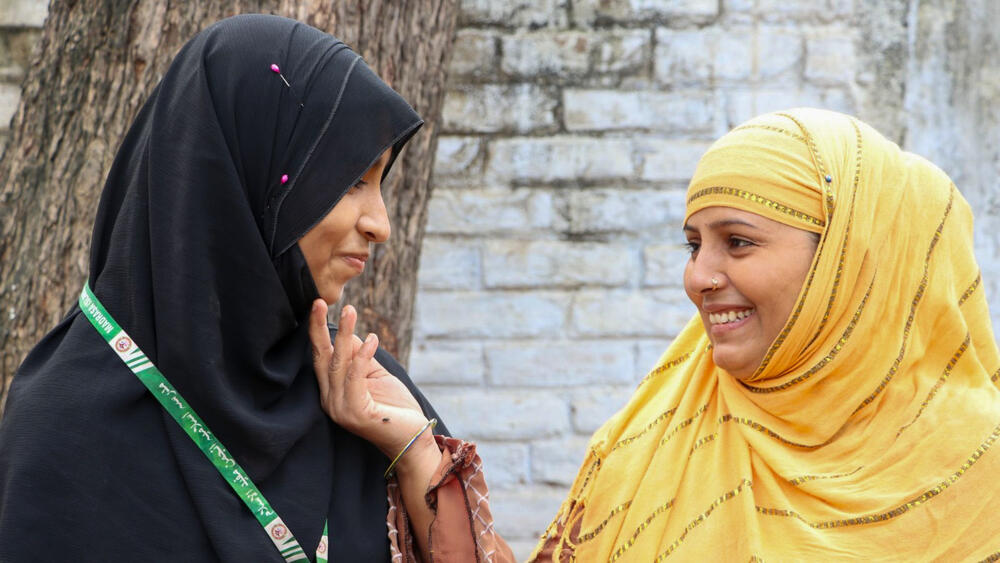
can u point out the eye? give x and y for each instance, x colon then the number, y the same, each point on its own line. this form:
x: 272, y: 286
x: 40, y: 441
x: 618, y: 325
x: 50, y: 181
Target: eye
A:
x: 356, y: 187
x: 692, y: 246
x: 736, y: 242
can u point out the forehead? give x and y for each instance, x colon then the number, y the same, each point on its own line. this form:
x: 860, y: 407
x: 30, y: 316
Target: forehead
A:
x: 718, y: 217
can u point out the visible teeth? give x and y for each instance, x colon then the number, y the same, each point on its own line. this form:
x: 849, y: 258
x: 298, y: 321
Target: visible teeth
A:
x: 729, y: 316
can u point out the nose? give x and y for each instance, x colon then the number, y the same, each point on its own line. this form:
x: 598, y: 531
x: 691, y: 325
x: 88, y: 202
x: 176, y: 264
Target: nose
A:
x: 704, y: 273
x: 374, y: 220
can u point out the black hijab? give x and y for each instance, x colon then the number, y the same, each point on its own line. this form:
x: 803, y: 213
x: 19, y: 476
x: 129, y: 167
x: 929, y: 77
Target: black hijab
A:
x: 194, y: 253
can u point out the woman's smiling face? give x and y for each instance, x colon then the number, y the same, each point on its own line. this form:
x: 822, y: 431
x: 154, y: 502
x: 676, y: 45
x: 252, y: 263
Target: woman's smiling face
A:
x: 759, y: 266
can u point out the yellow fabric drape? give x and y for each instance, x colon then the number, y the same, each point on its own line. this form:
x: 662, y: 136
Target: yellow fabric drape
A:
x: 870, y: 430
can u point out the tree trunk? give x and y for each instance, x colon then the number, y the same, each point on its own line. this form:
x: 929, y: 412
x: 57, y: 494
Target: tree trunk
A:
x: 96, y: 63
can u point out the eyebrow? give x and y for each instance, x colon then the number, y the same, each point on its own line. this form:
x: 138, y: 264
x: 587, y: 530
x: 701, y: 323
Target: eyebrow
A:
x: 722, y: 223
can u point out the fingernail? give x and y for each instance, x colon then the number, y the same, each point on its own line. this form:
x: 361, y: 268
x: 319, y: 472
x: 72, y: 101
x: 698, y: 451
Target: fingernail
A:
x: 370, y: 337
x: 343, y: 312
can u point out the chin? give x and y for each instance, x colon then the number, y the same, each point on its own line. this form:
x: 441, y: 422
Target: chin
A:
x: 736, y: 369
x: 332, y: 295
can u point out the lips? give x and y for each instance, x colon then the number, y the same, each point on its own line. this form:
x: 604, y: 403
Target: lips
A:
x: 356, y: 261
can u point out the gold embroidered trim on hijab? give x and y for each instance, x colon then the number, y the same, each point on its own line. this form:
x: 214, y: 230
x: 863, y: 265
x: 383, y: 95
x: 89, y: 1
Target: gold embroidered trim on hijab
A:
x: 940, y: 382
x: 728, y: 495
x: 795, y: 136
x: 899, y: 510
x: 649, y: 519
x: 841, y: 342
x: 847, y: 234
x: 665, y: 367
x: 600, y: 527
x: 806, y: 478
x: 818, y: 160
x: 756, y: 198
x: 971, y: 289
x: 913, y: 308
x: 626, y: 441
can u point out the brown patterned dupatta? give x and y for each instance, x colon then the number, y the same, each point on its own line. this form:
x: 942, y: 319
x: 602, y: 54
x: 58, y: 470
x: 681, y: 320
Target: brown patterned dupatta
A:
x: 869, y: 430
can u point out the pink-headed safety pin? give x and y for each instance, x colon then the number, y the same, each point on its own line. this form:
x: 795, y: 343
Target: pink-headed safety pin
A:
x: 277, y: 70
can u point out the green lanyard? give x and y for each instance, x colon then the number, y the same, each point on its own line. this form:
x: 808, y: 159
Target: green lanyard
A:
x: 192, y: 424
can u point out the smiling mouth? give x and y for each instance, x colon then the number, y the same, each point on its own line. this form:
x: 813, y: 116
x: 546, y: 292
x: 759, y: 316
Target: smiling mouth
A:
x: 729, y: 316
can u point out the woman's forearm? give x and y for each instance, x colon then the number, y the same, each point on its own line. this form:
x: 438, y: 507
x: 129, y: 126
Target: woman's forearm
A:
x: 413, y: 473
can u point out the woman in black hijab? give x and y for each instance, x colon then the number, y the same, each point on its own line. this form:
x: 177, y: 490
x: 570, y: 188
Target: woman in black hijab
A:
x: 259, y: 128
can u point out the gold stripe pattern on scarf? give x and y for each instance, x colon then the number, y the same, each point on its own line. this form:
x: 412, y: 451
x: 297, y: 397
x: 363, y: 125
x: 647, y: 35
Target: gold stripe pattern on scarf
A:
x: 795, y: 136
x: 649, y: 519
x: 847, y: 236
x: 971, y: 289
x: 841, y: 342
x: 899, y: 510
x: 940, y: 382
x: 913, y: 308
x: 755, y: 198
x: 818, y: 159
x: 729, y: 495
x: 600, y: 527
x: 626, y: 441
x: 685, y: 423
x: 665, y: 368
x: 806, y: 478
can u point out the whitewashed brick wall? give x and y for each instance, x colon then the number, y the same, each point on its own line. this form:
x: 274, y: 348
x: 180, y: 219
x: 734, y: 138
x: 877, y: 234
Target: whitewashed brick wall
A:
x: 551, y: 272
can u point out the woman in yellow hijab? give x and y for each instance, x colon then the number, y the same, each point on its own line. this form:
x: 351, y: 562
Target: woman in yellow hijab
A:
x: 835, y: 396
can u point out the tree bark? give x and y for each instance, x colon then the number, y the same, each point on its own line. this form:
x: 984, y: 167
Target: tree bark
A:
x: 94, y: 66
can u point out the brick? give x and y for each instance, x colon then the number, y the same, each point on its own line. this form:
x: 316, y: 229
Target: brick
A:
x: 779, y: 53
x: 561, y: 158
x: 623, y: 50
x: 683, y: 57
x: 560, y: 364
x: 23, y: 13
x: 490, y: 314
x: 482, y: 211
x: 505, y: 464
x: 474, y: 55
x: 671, y: 160
x: 663, y: 264
x: 514, y: 13
x: 518, y: 263
x: 523, y: 514
x: 677, y: 12
x: 447, y: 363
x: 742, y: 105
x: 803, y: 10
x: 458, y: 156
x: 632, y: 211
x: 493, y: 414
x: 520, y: 108
x: 557, y: 461
x: 830, y: 58
x: 602, y: 110
x: 702, y: 57
x: 738, y: 6
x: 10, y: 95
x: 733, y: 54
x: 622, y: 313
x: 446, y: 264
x: 547, y: 54
x: 591, y: 407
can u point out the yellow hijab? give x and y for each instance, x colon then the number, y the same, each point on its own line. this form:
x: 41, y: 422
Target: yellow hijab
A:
x: 869, y: 431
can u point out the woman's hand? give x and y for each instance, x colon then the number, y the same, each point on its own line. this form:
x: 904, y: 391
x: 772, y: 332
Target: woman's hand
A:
x: 360, y: 395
